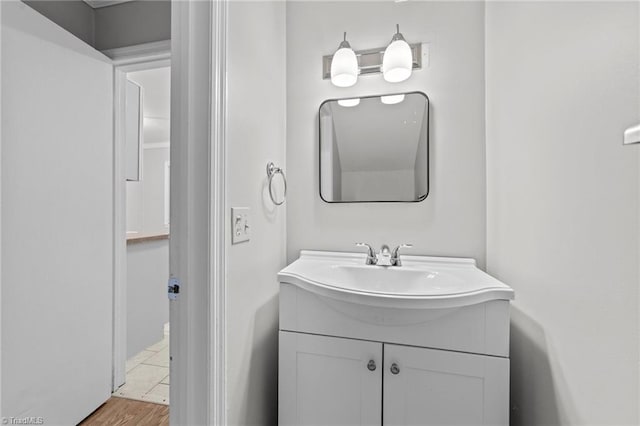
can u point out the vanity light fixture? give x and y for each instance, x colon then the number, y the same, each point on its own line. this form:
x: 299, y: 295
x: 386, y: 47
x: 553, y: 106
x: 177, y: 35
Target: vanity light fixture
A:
x: 397, y: 61
x: 392, y: 99
x: 349, y: 102
x: 344, y: 67
x: 632, y: 135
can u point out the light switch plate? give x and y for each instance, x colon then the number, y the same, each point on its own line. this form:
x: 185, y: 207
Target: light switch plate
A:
x: 240, y: 225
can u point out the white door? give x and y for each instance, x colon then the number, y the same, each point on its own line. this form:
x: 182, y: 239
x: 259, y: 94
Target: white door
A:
x: 434, y: 387
x: 329, y: 381
x: 57, y: 214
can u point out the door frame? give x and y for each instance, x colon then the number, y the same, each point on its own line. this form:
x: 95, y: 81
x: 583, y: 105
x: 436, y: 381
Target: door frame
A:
x: 125, y: 60
x: 1, y: 283
x: 199, y: 236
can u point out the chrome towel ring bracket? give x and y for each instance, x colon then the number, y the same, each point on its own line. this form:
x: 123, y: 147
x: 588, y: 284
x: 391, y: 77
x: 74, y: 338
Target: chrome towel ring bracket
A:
x: 272, y: 170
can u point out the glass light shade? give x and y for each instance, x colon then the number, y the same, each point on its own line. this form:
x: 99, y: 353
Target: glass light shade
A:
x: 349, y: 102
x: 397, y: 62
x: 392, y: 99
x: 344, y: 67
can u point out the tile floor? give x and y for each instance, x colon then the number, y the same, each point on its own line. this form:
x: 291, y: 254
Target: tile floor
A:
x: 148, y: 374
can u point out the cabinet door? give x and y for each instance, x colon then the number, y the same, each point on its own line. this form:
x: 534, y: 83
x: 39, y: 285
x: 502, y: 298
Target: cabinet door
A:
x: 133, y: 131
x: 329, y: 381
x: 434, y: 387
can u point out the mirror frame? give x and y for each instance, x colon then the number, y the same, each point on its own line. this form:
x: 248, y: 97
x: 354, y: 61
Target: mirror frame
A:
x: 427, y: 117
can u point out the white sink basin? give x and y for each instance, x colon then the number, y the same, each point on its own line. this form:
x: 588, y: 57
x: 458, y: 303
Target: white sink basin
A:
x: 421, y: 281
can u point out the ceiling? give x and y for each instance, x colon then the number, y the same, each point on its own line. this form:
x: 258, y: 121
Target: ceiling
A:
x: 96, y: 4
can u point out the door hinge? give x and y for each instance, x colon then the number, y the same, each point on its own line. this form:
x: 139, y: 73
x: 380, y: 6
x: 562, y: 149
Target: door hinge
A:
x: 173, y: 289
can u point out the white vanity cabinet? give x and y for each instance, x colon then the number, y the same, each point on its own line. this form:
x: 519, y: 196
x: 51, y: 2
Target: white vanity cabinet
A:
x: 351, y: 357
x: 329, y: 381
x: 337, y: 381
x: 434, y: 387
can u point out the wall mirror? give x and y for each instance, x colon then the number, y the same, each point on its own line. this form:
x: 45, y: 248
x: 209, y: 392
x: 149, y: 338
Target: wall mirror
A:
x: 375, y: 149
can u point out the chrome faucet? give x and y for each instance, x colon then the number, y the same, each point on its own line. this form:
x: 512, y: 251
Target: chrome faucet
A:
x: 384, y: 257
x: 395, y: 256
x: 371, y: 255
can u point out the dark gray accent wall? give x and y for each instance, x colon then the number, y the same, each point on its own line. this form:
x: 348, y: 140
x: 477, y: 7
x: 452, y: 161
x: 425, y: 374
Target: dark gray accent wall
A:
x: 120, y: 25
x: 77, y: 17
x: 128, y: 24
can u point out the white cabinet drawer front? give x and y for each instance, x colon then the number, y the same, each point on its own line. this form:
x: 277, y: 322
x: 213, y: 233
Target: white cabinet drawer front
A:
x: 433, y: 387
x: 329, y: 381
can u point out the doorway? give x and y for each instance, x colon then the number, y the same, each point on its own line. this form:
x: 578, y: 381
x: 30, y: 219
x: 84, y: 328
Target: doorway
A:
x: 141, y: 312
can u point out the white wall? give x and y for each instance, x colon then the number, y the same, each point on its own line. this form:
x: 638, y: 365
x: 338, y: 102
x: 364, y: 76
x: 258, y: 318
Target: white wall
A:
x: 147, y: 303
x: 451, y: 221
x: 562, y: 85
x: 256, y: 135
x: 375, y: 185
x: 146, y: 198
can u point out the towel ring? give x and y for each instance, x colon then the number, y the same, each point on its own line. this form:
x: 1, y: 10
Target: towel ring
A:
x: 272, y: 170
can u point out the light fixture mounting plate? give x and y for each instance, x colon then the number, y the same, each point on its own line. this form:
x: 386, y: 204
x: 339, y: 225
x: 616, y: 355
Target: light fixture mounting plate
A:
x: 370, y: 60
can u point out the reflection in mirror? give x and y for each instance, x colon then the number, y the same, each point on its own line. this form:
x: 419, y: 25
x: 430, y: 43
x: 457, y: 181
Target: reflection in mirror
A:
x: 375, y: 149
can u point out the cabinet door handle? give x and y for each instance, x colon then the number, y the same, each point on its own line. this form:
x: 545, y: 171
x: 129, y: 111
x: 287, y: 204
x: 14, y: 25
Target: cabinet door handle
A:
x: 394, y: 368
x: 371, y: 365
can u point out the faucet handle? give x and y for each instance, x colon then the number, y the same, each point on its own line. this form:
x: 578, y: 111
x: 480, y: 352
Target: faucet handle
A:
x: 395, y: 260
x: 365, y: 245
x: 395, y: 250
x: 371, y: 254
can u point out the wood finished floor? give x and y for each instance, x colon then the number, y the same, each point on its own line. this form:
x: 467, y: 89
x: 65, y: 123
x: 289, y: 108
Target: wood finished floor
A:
x: 128, y: 412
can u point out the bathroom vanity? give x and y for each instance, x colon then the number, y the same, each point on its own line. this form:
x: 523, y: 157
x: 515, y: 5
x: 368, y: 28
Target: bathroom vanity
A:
x: 423, y: 343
